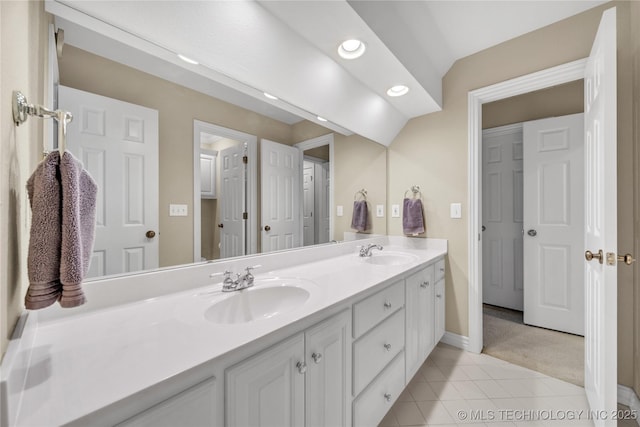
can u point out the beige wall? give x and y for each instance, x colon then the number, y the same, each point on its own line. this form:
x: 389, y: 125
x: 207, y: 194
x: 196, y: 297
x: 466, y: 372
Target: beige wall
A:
x: 178, y: 107
x: 552, y: 102
x: 23, y: 35
x: 431, y: 151
x: 359, y: 164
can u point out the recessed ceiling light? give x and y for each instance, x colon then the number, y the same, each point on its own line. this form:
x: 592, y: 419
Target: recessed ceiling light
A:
x: 351, y: 49
x: 322, y: 119
x: 189, y: 60
x: 268, y: 95
x: 397, y: 90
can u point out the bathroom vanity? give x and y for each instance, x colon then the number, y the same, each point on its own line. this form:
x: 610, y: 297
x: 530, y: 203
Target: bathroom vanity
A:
x: 324, y: 337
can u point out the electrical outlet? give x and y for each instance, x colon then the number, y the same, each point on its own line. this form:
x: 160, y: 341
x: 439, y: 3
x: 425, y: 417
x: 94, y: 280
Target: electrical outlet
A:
x: 395, y: 211
x: 178, y: 210
x: 339, y: 210
x: 380, y: 211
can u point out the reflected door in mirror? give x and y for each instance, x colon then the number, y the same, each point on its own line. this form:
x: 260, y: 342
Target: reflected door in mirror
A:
x: 232, y: 202
x: 117, y: 143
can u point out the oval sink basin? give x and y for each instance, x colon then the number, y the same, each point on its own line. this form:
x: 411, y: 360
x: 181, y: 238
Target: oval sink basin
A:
x: 390, y: 258
x: 257, y: 302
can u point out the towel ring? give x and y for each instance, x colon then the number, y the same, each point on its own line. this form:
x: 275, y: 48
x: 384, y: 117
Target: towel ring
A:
x: 415, y: 189
x: 362, y: 193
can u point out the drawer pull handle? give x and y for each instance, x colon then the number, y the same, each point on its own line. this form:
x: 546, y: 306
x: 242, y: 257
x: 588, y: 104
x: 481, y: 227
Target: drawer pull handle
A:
x: 387, y: 397
x: 424, y: 284
x: 387, y: 304
x: 317, y: 357
x: 302, y: 367
x: 387, y: 347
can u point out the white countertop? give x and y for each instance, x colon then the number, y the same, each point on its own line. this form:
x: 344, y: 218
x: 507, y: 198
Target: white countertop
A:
x: 88, y: 361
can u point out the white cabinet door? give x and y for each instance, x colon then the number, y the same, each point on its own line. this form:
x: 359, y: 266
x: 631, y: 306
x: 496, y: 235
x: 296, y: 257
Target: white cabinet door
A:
x: 207, y: 175
x: 328, y: 377
x: 419, y: 319
x: 268, y: 388
x: 195, y: 407
x: 439, y: 310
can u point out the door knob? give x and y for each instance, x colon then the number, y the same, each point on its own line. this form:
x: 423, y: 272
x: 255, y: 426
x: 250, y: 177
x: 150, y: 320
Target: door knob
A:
x: 267, y: 228
x: 588, y: 255
x: 150, y: 234
x: 532, y: 233
x: 627, y: 259
x: 220, y: 225
x: 484, y: 228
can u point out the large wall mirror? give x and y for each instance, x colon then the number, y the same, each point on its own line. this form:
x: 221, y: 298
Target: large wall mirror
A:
x: 208, y: 203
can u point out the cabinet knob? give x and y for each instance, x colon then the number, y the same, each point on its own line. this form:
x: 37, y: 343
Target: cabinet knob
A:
x: 387, y: 397
x: 317, y: 357
x: 439, y: 295
x: 424, y: 284
x: 387, y: 347
x: 302, y: 367
x: 387, y: 304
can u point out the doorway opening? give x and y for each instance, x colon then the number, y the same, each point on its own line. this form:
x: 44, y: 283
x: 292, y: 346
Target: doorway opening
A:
x: 532, y: 183
x: 224, y: 196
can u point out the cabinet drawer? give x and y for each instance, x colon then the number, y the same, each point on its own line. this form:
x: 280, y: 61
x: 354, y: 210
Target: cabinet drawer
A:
x: 377, y: 399
x: 372, y: 310
x: 376, y: 349
x: 439, y: 269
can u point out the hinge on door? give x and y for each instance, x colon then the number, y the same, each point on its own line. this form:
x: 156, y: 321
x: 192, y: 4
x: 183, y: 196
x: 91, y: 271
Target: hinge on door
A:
x: 245, y: 159
x: 245, y: 215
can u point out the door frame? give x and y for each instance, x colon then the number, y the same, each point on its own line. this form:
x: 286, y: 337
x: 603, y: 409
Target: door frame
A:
x: 252, y: 173
x: 549, y: 77
x: 314, y: 143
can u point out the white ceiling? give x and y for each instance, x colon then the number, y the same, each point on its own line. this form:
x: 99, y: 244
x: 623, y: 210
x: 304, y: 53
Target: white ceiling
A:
x: 288, y: 48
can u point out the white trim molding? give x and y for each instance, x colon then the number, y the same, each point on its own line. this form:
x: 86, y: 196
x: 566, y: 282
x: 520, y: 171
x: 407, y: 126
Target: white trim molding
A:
x: 628, y: 397
x: 531, y: 82
x: 456, y: 340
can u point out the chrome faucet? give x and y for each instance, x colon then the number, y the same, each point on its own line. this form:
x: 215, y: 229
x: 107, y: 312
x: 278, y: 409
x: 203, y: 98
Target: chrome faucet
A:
x: 365, y: 251
x: 242, y: 281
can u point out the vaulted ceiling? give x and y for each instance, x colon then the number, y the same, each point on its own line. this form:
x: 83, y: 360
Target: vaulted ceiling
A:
x: 289, y: 49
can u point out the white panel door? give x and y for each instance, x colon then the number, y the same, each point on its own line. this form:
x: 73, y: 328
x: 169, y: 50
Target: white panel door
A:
x: 308, y: 203
x: 232, y: 201
x: 323, y: 210
x: 281, y: 176
x: 328, y: 377
x: 601, y: 227
x: 554, y: 223
x: 502, y: 281
x: 267, y: 390
x: 118, y: 144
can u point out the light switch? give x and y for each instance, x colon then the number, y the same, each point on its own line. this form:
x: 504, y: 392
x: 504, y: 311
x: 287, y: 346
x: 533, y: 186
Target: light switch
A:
x: 456, y: 210
x: 395, y: 211
x: 178, y: 210
x: 339, y: 210
x: 380, y: 211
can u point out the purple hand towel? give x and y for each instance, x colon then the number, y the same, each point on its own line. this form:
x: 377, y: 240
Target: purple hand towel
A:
x: 360, y: 219
x: 412, y: 217
x: 78, y: 228
x: 43, y: 260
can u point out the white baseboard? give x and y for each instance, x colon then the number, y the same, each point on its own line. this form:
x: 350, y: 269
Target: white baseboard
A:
x: 456, y: 340
x: 628, y: 397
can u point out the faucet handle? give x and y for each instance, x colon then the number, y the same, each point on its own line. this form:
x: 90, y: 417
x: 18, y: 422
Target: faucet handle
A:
x: 248, y: 269
x: 226, y: 273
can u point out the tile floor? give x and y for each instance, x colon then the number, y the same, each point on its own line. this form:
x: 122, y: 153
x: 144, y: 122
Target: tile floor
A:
x: 455, y: 387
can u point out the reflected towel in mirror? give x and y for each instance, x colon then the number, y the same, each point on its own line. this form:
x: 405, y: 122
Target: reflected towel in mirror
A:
x: 360, y: 219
